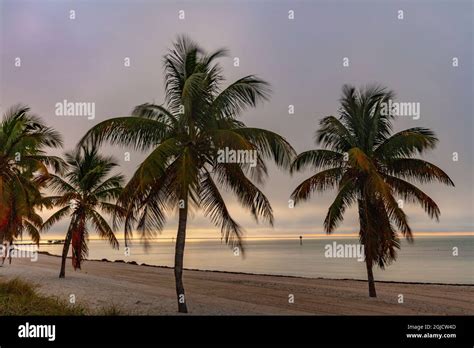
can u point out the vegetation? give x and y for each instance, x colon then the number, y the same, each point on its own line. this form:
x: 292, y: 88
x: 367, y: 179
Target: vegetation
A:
x: 85, y: 192
x: 182, y: 170
x: 24, y: 139
x: 20, y: 298
x: 370, y: 166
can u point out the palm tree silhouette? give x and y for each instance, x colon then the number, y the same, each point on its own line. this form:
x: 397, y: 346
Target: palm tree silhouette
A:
x: 183, y: 171
x: 24, y: 170
x: 86, y: 190
x: 370, y: 166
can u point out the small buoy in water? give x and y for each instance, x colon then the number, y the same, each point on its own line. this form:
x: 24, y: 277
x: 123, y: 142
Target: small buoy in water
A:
x: 301, y: 240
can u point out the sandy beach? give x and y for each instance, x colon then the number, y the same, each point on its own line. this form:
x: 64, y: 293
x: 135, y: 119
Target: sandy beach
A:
x: 147, y: 290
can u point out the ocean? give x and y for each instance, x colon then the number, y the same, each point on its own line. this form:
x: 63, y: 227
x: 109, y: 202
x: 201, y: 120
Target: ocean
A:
x: 428, y: 260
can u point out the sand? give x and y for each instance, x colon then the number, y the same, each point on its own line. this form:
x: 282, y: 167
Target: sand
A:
x: 146, y: 290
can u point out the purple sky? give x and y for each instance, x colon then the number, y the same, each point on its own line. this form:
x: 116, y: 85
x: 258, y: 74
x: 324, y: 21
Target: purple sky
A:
x: 82, y: 60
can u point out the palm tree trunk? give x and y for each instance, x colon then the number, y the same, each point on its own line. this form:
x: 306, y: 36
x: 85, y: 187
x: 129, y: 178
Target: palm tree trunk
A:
x: 4, y: 251
x: 178, y: 258
x: 67, y: 243
x: 368, y: 250
x: 370, y: 277
x: 10, y: 246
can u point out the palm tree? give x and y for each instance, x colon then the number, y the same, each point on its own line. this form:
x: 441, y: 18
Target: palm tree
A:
x: 370, y: 166
x: 24, y: 164
x: 185, y: 137
x: 85, y: 191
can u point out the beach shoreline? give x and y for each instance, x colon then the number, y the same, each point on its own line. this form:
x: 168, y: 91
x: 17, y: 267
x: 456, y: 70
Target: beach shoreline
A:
x: 151, y: 291
x: 135, y: 263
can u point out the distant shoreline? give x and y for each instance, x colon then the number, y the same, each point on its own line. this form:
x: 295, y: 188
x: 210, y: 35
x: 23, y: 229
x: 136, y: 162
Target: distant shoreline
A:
x: 295, y: 238
x: 259, y: 274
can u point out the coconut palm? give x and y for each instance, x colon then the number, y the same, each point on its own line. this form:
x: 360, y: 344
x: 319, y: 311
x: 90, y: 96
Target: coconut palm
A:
x: 184, y: 139
x: 85, y: 192
x: 370, y: 166
x: 24, y: 164
x: 23, y: 217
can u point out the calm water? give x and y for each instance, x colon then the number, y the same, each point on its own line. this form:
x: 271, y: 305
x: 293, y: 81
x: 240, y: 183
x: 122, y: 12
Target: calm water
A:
x: 428, y: 260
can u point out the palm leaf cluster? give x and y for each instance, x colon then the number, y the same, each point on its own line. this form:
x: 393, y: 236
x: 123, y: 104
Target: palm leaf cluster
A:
x: 84, y: 193
x: 24, y: 163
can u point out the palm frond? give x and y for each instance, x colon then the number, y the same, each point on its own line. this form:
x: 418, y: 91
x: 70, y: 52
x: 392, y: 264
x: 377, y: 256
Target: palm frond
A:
x: 418, y: 170
x: 59, y: 215
x: 230, y: 175
x: 346, y: 196
x: 317, y: 159
x: 244, y: 93
x: 411, y: 193
x: 140, y: 133
x: 214, y: 206
x: 407, y: 143
x: 321, y: 181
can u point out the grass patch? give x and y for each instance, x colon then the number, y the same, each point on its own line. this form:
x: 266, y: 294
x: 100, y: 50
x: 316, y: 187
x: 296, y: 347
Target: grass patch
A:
x: 110, y: 311
x: 20, y: 298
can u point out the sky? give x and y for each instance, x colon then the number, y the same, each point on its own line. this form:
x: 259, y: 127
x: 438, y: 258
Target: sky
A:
x: 82, y: 60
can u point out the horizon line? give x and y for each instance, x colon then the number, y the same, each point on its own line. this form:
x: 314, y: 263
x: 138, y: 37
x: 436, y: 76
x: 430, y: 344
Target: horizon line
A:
x: 267, y: 237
